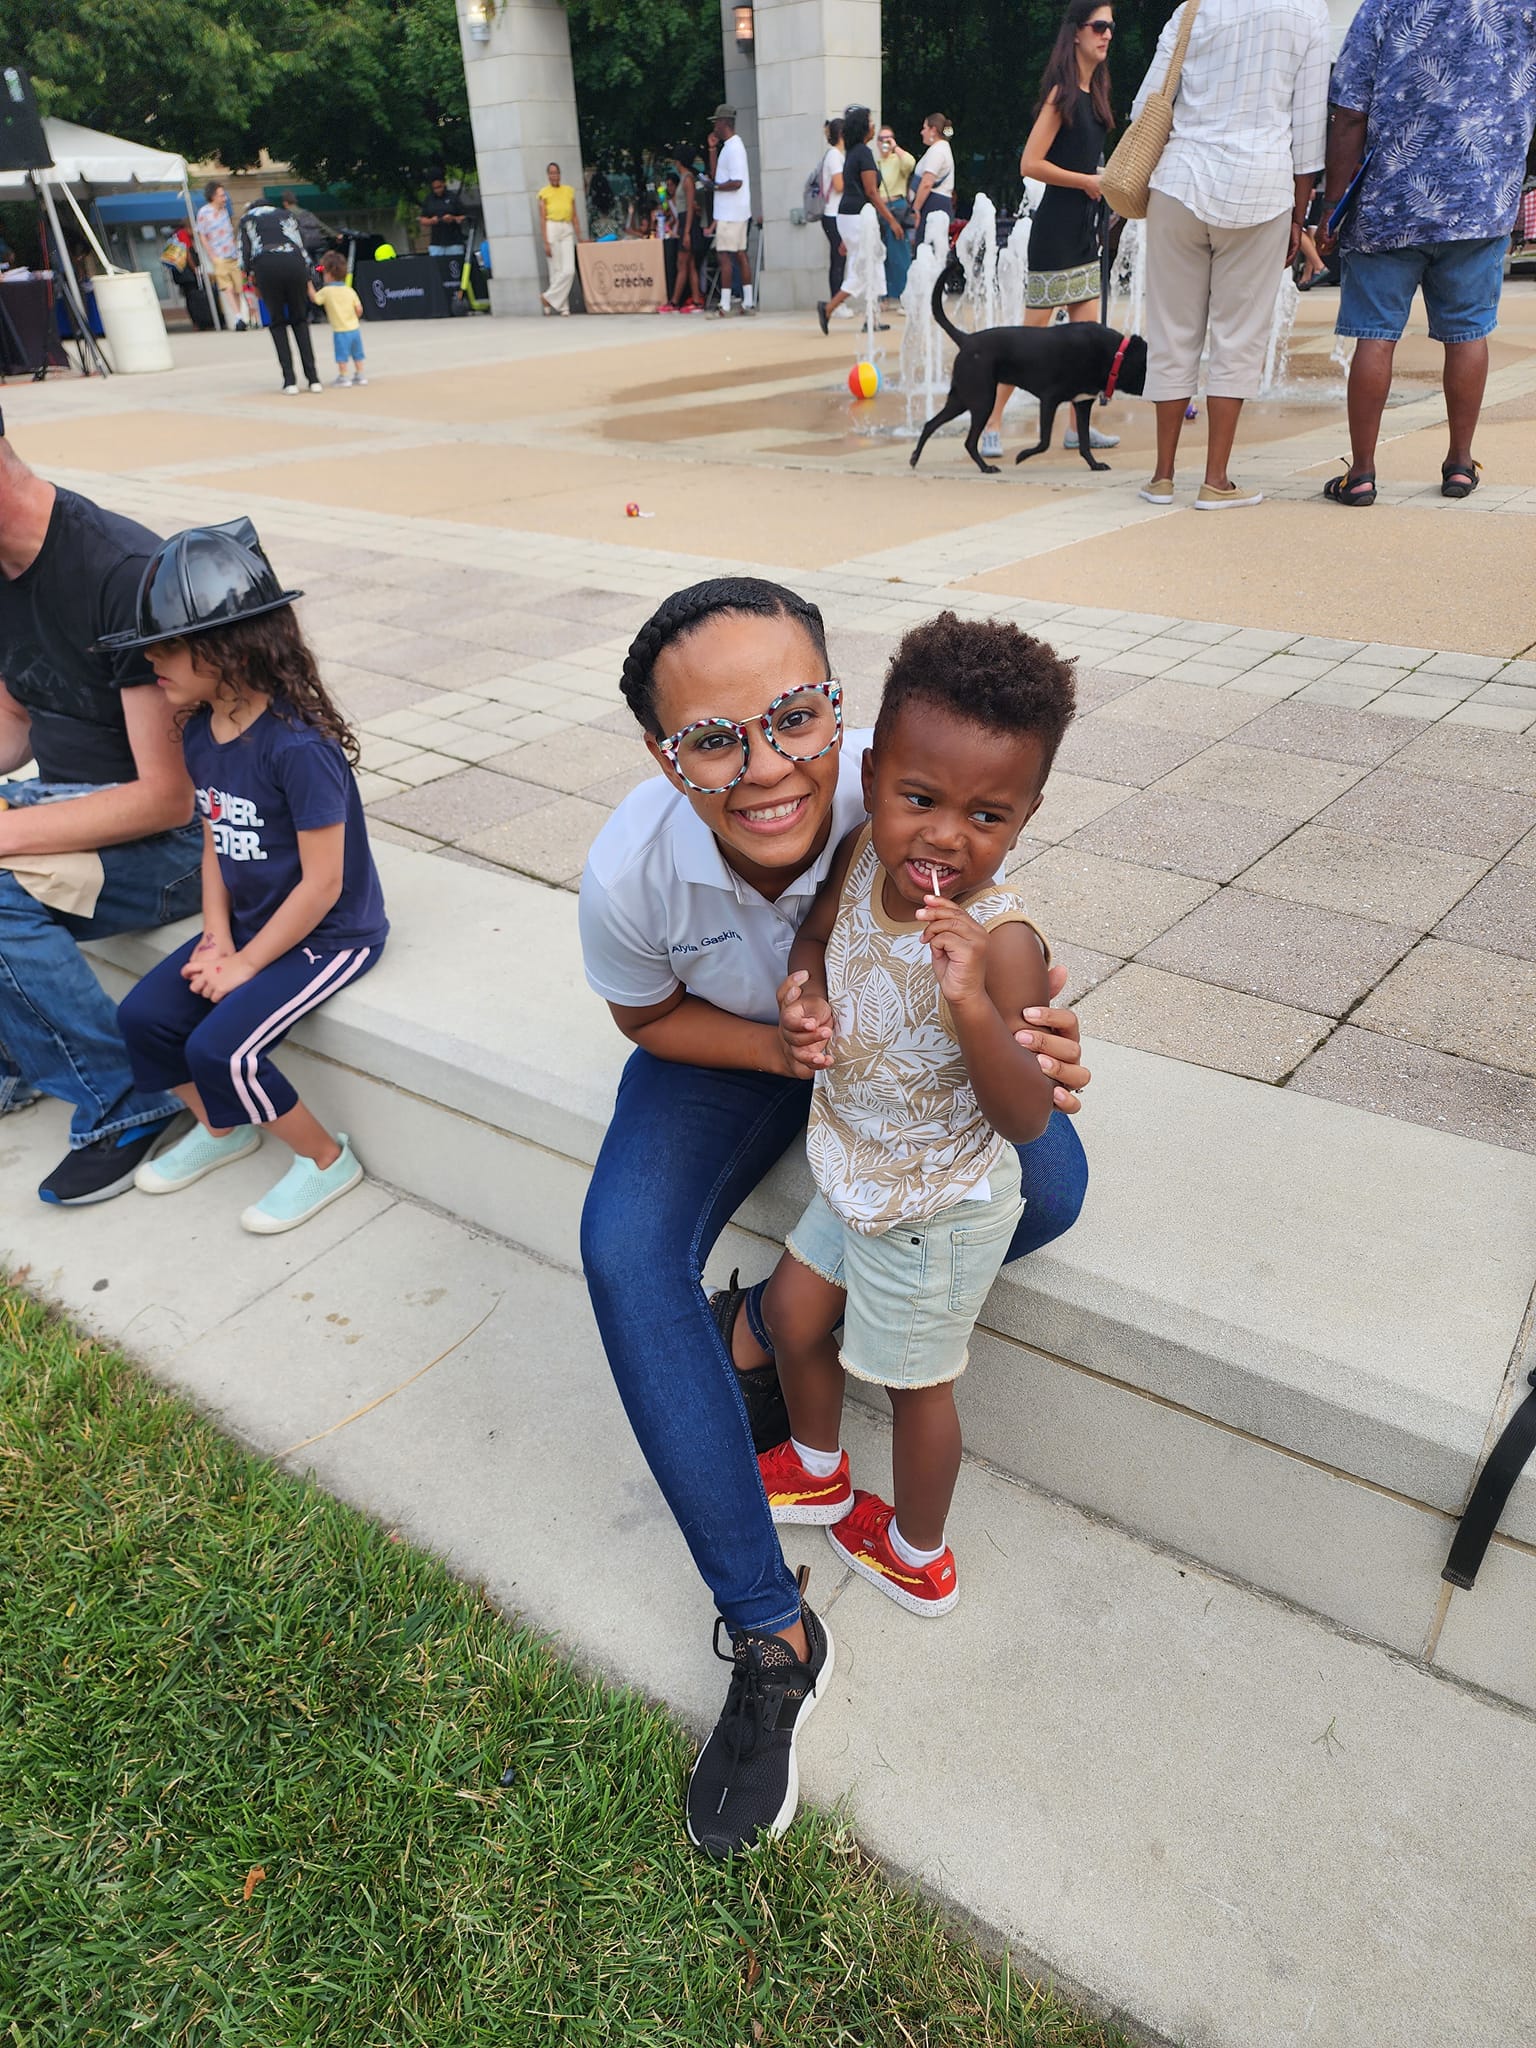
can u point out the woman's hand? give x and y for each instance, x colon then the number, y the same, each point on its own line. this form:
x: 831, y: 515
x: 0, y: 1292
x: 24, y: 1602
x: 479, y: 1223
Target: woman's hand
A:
x: 805, y: 1028
x: 1055, y: 1037
x: 1093, y: 187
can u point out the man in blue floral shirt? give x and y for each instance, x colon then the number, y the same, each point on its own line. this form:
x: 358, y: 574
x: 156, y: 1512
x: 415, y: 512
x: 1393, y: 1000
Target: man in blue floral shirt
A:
x: 1439, y: 95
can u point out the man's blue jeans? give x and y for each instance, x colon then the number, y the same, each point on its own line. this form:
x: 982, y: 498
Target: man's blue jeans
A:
x: 686, y: 1146
x: 58, y: 1029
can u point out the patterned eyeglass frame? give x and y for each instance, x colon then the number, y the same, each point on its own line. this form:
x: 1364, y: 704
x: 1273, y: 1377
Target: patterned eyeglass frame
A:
x: 831, y: 689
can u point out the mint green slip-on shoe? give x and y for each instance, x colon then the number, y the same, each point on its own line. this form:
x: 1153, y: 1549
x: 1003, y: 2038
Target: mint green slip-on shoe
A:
x: 199, y: 1152
x: 303, y: 1191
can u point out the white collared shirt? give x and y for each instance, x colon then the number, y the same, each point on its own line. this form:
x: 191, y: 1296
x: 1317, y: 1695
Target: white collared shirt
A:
x: 659, y: 906
x: 1251, y: 113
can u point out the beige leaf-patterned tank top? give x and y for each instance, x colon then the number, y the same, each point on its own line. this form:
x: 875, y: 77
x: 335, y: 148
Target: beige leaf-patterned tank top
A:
x: 896, y: 1131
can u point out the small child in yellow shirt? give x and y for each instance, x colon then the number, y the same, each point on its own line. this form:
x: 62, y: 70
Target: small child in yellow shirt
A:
x: 344, y: 310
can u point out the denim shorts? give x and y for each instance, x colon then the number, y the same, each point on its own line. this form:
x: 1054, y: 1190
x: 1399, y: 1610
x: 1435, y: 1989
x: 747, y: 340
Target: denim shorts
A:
x: 1461, y: 282
x: 348, y: 344
x: 914, y: 1292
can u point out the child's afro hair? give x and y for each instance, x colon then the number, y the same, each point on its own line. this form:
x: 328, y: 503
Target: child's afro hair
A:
x: 986, y: 672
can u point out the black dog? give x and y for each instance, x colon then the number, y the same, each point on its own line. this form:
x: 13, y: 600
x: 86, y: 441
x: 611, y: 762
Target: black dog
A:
x: 1064, y: 365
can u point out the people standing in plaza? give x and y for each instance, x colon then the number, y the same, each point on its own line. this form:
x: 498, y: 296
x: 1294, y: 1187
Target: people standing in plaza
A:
x: 292, y: 908
x: 895, y: 166
x: 445, y: 220
x: 216, y: 232
x: 1229, y: 199
x: 313, y: 233
x: 831, y: 195
x: 1065, y: 151
x: 732, y: 184
x: 272, y: 250
x: 557, y: 222
x: 343, y: 310
x: 1440, y: 96
x: 687, y: 292
x: 864, y: 271
x: 101, y: 841
x: 730, y: 685
x: 935, y: 173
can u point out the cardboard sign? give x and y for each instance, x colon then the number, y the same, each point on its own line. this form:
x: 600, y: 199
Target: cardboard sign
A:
x: 622, y: 277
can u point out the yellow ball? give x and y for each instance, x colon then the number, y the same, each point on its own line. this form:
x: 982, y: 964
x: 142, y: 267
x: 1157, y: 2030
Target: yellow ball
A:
x: 864, y: 380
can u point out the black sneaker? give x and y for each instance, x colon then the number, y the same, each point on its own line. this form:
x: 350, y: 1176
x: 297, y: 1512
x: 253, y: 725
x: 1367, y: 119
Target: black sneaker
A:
x: 746, y: 1778
x: 821, y: 315
x: 766, y: 1413
x: 98, y: 1172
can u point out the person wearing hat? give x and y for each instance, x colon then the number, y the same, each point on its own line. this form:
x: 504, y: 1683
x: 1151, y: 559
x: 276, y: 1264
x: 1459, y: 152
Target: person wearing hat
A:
x: 732, y: 182
x: 292, y: 908
x: 100, y: 842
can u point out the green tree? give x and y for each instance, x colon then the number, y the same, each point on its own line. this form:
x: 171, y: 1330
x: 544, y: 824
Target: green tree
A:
x: 647, y: 74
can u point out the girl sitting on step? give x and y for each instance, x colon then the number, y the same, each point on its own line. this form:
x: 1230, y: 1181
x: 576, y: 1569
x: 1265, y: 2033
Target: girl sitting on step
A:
x: 292, y: 908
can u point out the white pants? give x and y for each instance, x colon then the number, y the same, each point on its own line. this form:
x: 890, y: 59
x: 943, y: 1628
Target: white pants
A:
x: 1198, y: 276
x: 561, y: 236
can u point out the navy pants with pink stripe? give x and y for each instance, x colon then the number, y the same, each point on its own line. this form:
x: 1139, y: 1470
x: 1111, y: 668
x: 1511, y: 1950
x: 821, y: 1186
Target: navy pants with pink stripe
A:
x: 224, y: 1048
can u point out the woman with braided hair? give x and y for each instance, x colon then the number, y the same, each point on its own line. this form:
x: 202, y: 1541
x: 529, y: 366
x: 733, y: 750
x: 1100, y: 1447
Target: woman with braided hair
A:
x: 692, y: 896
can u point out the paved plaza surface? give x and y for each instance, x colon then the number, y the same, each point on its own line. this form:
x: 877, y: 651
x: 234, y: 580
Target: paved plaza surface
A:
x: 1293, y: 834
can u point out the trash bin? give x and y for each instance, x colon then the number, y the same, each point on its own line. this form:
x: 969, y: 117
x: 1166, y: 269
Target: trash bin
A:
x: 132, y: 322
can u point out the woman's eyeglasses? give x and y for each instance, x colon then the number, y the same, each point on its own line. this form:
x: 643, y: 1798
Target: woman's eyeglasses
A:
x: 1100, y: 28
x: 713, y: 754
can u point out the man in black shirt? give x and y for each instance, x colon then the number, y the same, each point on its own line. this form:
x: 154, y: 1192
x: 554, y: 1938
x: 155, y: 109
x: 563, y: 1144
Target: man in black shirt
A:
x: 444, y: 218
x: 101, y: 842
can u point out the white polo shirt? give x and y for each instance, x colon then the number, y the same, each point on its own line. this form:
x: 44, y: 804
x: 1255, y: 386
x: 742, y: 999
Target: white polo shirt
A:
x: 659, y: 906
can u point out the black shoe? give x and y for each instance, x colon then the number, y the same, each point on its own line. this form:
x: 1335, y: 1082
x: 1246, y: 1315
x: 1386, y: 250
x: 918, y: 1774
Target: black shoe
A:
x: 766, y: 1413
x: 98, y: 1172
x: 746, y: 1778
x: 821, y: 315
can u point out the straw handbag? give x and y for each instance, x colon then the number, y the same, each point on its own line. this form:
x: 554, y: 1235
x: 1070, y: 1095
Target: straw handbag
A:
x: 1126, y: 180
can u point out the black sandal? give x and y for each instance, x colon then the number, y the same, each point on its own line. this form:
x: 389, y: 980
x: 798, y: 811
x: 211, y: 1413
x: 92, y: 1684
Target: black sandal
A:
x: 1458, y: 479
x: 1358, y: 489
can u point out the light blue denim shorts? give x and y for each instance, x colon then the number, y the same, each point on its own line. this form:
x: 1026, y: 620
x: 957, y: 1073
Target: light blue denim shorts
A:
x: 914, y: 1292
x: 1461, y: 283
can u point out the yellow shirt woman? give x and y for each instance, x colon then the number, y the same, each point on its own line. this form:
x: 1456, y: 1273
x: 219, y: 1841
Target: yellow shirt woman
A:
x: 558, y: 202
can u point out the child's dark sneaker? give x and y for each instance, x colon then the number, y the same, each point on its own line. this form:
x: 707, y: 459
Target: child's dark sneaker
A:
x: 795, y: 1495
x: 746, y: 1778
x: 766, y: 1412
x: 95, y: 1173
x: 863, y: 1541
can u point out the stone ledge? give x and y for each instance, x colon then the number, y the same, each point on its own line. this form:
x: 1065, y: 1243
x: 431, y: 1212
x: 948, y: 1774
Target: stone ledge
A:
x: 1309, y: 1277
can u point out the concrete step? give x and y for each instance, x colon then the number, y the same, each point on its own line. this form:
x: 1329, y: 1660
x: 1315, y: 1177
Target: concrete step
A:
x: 1279, y: 1340
x: 1189, y: 1802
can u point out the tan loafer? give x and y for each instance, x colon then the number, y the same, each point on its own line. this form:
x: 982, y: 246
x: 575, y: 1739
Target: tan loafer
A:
x: 1158, y: 492
x: 1210, y: 498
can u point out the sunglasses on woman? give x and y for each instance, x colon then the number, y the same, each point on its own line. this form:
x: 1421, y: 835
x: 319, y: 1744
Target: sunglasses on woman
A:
x: 1100, y: 28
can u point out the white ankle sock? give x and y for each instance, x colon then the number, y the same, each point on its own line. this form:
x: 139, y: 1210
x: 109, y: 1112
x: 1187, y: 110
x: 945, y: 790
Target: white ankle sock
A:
x: 820, y: 1464
x: 746, y: 295
x: 908, y: 1552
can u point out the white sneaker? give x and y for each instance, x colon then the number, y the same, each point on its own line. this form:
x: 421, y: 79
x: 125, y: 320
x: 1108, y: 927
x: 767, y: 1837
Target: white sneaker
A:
x: 359, y: 380
x: 845, y: 312
x: 290, y: 391
x: 339, y: 381
x: 1095, y: 439
x: 992, y: 441
x: 316, y: 385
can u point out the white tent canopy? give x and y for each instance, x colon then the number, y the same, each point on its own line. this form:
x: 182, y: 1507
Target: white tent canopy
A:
x: 86, y: 157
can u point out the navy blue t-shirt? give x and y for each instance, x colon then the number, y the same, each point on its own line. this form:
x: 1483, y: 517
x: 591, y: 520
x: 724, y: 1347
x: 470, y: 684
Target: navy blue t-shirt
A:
x: 258, y: 792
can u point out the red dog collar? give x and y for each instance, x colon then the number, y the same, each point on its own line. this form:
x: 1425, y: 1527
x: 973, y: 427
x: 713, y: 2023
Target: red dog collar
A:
x: 1114, y: 370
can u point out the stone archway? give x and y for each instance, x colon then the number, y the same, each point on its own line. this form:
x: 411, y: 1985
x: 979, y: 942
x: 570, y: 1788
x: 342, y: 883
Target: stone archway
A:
x: 807, y: 58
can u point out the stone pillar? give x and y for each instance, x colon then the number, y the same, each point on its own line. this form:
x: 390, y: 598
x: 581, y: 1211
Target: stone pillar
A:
x: 522, y: 110
x: 814, y: 57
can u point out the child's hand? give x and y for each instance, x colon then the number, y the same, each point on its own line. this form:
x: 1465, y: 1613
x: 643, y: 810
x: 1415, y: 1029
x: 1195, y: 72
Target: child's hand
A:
x: 959, y: 948
x: 805, y: 1027
x: 211, y: 946
x: 217, y: 977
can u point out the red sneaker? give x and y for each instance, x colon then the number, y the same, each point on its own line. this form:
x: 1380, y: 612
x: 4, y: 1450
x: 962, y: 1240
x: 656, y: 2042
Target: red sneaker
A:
x: 862, y: 1540
x: 795, y: 1495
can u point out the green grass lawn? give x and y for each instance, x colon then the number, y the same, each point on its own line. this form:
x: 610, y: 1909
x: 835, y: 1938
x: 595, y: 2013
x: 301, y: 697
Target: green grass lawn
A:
x: 268, y: 1776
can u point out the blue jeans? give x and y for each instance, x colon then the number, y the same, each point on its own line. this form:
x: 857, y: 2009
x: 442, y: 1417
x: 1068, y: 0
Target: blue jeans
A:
x: 58, y: 1027
x: 898, y: 252
x: 685, y: 1148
